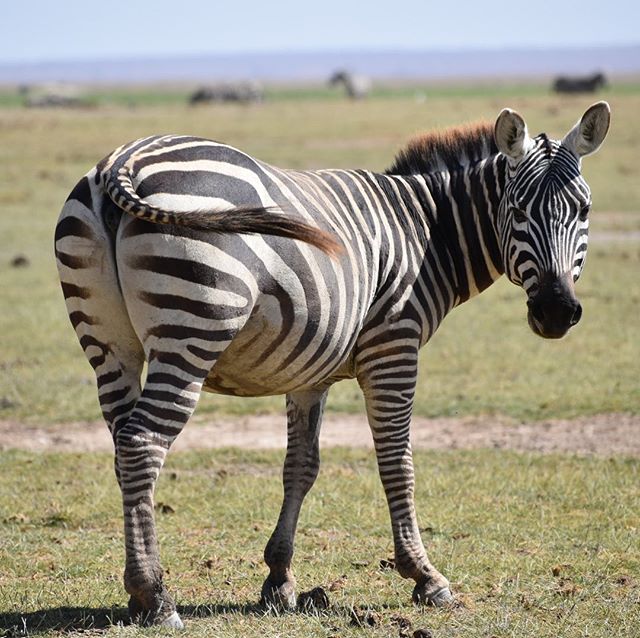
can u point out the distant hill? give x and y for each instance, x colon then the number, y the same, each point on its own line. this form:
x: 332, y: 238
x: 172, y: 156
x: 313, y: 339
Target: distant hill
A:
x: 314, y: 66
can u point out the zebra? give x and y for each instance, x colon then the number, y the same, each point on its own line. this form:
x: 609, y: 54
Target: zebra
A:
x: 226, y: 274
x: 356, y: 86
x: 241, y: 92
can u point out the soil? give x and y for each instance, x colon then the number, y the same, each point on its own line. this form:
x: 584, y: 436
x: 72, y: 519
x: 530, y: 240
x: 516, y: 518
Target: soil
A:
x: 601, y: 435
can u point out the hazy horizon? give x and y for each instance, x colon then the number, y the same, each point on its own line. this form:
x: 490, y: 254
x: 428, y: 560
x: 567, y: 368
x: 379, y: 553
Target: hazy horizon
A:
x: 301, y: 66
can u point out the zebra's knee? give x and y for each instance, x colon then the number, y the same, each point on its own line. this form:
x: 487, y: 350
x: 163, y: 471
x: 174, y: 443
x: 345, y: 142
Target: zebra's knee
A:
x: 310, y: 475
x: 301, y: 472
x: 136, y: 437
x: 139, y: 454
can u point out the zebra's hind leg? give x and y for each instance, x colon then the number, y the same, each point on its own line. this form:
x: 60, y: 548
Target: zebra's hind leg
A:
x: 302, y: 462
x: 88, y: 274
x: 170, y: 394
x: 389, y: 385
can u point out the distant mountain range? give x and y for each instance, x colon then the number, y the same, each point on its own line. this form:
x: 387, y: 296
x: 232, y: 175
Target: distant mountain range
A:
x: 315, y: 66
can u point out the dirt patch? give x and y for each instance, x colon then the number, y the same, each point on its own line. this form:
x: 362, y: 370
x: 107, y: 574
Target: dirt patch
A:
x: 602, y: 435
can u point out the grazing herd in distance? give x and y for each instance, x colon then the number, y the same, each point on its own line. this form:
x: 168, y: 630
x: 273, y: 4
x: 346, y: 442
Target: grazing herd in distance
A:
x: 354, y: 86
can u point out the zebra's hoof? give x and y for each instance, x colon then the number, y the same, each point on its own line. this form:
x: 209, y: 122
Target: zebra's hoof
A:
x: 442, y: 598
x: 439, y: 598
x: 173, y: 622
x: 279, y: 597
x: 150, y: 618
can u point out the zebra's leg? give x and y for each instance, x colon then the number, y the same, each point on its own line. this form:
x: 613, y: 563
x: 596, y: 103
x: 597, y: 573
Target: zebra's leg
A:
x: 389, y: 385
x: 302, y: 462
x: 167, y: 401
x: 88, y: 274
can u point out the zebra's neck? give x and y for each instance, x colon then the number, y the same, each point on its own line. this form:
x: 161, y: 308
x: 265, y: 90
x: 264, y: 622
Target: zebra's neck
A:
x: 458, y: 177
x: 461, y: 214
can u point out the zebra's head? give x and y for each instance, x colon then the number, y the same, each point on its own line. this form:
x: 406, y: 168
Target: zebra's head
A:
x: 543, y: 218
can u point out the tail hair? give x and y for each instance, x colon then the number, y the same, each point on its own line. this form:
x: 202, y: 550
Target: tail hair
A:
x: 263, y: 220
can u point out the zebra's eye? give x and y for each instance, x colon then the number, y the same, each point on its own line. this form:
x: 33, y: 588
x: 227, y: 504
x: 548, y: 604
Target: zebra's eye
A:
x: 519, y: 216
x: 584, y: 212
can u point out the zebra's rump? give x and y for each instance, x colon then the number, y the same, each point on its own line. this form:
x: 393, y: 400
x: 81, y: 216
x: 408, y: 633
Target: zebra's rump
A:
x: 271, y: 325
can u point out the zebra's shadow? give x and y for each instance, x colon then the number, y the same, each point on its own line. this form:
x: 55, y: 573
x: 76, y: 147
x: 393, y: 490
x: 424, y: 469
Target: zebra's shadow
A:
x: 73, y: 619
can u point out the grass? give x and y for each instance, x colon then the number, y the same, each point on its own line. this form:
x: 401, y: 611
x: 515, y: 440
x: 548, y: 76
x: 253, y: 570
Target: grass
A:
x: 540, y: 546
x: 465, y: 369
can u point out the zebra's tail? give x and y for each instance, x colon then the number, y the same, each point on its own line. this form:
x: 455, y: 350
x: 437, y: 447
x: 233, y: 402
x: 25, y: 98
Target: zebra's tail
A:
x: 245, y: 220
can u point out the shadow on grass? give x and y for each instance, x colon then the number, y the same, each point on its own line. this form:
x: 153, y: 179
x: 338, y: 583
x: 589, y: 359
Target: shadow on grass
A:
x: 76, y: 619
x: 73, y: 619
x: 61, y: 619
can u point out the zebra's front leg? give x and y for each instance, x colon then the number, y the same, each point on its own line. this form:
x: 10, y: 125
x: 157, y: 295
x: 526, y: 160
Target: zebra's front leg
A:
x: 304, y: 417
x: 166, y: 403
x: 389, y: 401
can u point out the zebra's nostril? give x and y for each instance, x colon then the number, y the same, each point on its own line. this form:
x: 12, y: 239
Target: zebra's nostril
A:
x: 577, y: 314
x: 537, y: 312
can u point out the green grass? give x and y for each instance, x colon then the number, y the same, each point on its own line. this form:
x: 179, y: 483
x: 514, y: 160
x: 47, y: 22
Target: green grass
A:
x: 498, y: 524
x: 483, y: 360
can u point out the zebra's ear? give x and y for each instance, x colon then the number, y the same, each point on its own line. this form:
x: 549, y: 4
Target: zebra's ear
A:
x: 587, y: 135
x: 511, y: 134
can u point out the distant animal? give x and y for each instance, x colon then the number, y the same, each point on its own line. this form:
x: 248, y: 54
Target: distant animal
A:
x: 244, y: 92
x: 51, y: 100
x: 20, y: 261
x: 53, y: 95
x: 356, y: 86
x: 226, y: 274
x: 587, y: 84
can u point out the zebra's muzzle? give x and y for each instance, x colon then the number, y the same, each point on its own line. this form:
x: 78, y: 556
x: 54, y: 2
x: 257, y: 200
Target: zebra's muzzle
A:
x: 554, y: 308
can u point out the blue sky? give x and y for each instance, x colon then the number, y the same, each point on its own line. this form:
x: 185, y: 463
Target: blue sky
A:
x: 37, y: 30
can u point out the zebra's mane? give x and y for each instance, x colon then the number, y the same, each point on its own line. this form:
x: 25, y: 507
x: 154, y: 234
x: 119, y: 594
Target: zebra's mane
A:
x: 447, y: 150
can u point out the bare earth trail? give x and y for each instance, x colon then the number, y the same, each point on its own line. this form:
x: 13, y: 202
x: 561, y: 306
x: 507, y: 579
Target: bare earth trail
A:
x: 602, y: 435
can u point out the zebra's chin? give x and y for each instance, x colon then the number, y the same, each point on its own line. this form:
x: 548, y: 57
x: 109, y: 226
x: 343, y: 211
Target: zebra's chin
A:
x: 547, y: 332
x: 554, y: 308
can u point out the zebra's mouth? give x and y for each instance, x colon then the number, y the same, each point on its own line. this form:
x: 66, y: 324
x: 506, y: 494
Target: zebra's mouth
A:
x: 553, y: 308
x: 539, y: 329
x: 553, y: 320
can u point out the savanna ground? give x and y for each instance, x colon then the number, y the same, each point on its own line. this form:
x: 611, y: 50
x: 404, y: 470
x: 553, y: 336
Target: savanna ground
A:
x: 538, y: 542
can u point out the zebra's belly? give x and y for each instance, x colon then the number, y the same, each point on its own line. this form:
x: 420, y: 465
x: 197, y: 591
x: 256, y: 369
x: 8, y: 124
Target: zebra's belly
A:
x: 266, y: 359
x: 241, y: 381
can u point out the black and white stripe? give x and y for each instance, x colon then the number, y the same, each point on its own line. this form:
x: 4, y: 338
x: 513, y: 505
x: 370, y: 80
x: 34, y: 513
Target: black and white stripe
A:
x: 255, y: 280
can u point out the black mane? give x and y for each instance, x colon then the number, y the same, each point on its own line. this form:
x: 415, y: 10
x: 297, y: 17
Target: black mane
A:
x: 446, y: 150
